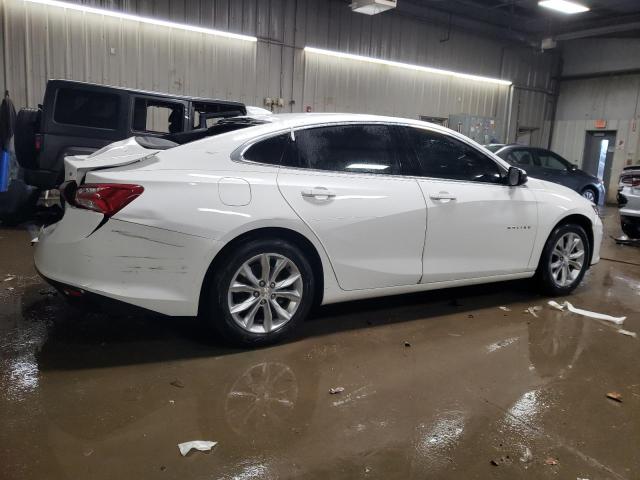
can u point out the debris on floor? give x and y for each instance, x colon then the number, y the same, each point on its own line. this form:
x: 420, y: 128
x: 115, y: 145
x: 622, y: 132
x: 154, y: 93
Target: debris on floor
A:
x: 587, y: 313
x: 407, y: 344
x: 527, y: 456
x: 201, y: 445
x: 335, y: 390
x: 615, y: 396
x: 504, y: 309
x: 9, y: 278
x: 533, y: 309
x: 627, y: 333
x: 496, y: 462
x: 177, y: 384
x: 551, y: 461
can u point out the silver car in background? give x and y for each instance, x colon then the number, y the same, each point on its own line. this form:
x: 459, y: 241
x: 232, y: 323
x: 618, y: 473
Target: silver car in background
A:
x: 629, y: 201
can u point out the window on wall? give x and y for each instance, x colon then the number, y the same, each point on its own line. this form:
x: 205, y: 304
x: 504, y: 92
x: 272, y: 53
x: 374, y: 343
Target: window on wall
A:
x: 156, y: 116
x: 347, y: 148
x: 87, y: 109
x: 441, y: 156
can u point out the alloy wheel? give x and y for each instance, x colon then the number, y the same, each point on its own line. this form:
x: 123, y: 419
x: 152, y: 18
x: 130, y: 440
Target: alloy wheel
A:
x: 265, y: 293
x: 567, y: 259
x: 589, y: 195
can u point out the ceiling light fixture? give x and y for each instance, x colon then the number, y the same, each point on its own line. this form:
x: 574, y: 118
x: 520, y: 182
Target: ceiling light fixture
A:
x: 564, y: 6
x: 407, y: 66
x: 137, y: 18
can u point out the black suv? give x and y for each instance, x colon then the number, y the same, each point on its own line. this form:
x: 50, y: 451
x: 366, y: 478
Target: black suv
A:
x: 79, y: 118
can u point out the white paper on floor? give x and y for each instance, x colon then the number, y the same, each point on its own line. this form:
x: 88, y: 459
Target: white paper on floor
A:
x: 202, y: 445
x: 627, y: 333
x: 587, y: 313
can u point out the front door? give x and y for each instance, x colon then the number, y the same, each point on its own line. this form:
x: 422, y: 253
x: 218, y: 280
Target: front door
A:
x: 346, y: 183
x: 476, y: 225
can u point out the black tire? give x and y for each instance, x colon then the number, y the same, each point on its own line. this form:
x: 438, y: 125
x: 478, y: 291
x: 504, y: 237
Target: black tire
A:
x: 27, y: 125
x: 18, y: 203
x: 215, y: 294
x: 544, y: 275
x: 593, y: 191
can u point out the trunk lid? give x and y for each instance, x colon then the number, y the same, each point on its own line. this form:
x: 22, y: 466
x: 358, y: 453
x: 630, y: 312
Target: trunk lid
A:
x: 124, y: 152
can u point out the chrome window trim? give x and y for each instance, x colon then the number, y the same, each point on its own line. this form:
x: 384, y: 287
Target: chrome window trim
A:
x: 237, y: 155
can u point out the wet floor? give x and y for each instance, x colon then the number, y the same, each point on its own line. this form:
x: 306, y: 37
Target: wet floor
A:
x: 436, y: 385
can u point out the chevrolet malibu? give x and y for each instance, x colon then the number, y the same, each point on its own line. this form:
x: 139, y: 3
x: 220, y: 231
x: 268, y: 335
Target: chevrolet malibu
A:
x: 263, y: 218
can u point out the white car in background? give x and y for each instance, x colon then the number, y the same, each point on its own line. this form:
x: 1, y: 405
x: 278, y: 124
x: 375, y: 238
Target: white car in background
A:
x: 252, y: 227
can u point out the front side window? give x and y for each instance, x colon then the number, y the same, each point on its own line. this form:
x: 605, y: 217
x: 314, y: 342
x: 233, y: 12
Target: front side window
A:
x: 551, y: 161
x: 87, y: 108
x: 347, y: 148
x: 156, y: 116
x: 441, y: 156
x: 268, y: 151
x: 520, y: 158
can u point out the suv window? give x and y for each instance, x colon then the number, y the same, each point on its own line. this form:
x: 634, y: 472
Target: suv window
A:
x: 347, y: 148
x: 157, y: 116
x: 87, y: 108
x: 520, y: 158
x: 267, y: 151
x: 441, y: 156
x: 551, y: 160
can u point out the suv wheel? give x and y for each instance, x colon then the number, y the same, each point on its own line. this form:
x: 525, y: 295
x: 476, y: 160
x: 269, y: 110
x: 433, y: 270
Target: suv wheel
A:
x: 260, y: 294
x: 564, y: 260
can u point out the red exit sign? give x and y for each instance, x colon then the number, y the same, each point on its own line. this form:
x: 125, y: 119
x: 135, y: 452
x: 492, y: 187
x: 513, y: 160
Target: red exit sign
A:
x: 601, y: 124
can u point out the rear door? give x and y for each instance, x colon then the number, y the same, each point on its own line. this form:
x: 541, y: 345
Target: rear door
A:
x: 347, y: 183
x: 476, y: 225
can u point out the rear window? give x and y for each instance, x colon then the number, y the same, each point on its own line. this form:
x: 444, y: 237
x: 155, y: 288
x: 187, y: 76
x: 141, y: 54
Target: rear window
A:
x: 268, y: 151
x: 156, y: 116
x: 86, y: 108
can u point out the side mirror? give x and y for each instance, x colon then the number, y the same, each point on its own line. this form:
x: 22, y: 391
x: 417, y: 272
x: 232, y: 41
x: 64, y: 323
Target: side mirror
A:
x: 516, y: 176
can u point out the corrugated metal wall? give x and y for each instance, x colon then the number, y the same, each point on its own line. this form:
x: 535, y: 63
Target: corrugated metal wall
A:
x: 614, y: 99
x: 47, y: 42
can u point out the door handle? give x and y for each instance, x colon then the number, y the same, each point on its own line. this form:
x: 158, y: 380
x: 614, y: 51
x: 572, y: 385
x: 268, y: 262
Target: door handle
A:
x: 318, y: 192
x: 442, y: 196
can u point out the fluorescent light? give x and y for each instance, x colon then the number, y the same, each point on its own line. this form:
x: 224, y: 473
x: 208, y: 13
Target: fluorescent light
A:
x: 136, y: 18
x: 408, y: 66
x: 367, y: 166
x: 564, y: 6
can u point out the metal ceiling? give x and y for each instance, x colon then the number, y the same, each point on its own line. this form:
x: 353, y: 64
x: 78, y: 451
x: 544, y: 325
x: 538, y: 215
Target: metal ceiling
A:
x: 620, y: 18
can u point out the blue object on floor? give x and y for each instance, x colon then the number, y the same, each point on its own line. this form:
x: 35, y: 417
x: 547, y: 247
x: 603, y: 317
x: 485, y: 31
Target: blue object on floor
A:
x: 5, y: 164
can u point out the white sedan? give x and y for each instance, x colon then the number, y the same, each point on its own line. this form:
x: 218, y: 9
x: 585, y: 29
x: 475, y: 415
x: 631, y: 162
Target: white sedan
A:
x: 262, y: 218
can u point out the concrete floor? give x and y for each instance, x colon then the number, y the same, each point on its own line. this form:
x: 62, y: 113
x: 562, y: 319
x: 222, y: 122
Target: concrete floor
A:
x: 94, y: 396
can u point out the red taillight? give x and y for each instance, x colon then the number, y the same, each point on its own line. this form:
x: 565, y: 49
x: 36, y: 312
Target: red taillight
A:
x: 106, y: 198
x: 631, y: 181
x: 38, y: 142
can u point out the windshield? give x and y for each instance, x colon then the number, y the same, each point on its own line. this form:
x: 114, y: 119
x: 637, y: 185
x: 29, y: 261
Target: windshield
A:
x: 222, y: 126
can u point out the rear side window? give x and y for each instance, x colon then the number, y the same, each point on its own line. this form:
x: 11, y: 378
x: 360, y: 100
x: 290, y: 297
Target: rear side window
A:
x: 267, y: 151
x: 441, y: 156
x: 347, y: 148
x: 156, y: 116
x: 520, y: 158
x: 87, y: 108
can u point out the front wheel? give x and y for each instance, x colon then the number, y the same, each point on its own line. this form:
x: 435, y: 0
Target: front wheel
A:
x: 261, y: 292
x: 590, y: 194
x: 564, y: 260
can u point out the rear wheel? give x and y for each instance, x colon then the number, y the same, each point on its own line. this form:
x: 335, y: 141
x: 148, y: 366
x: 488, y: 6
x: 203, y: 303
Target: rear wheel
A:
x: 590, y: 194
x: 261, y: 292
x: 630, y: 226
x: 564, y: 260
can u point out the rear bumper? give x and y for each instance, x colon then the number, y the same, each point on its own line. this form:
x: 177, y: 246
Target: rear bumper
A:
x: 147, y: 267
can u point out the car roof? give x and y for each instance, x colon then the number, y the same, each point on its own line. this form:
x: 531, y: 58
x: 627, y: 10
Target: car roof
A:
x: 77, y: 84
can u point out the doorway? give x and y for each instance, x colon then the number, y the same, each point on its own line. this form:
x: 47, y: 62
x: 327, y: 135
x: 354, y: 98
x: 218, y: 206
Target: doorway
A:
x: 599, y: 148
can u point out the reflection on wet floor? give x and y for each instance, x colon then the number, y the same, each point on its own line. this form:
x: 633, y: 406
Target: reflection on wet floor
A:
x: 436, y: 385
